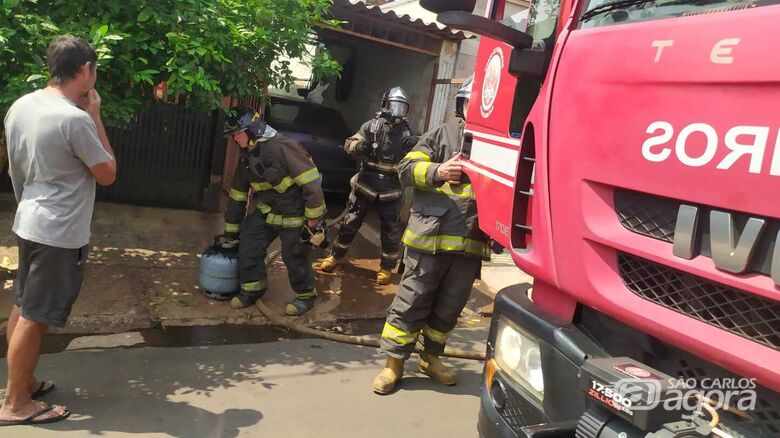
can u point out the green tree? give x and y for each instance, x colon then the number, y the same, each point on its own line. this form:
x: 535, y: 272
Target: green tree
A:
x: 203, y: 49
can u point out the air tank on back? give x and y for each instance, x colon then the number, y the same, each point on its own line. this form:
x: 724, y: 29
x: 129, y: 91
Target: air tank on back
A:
x: 219, y: 272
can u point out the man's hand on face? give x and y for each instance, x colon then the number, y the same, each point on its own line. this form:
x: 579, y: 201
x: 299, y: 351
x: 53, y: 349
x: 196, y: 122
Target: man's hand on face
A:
x: 451, y: 170
x: 91, y: 103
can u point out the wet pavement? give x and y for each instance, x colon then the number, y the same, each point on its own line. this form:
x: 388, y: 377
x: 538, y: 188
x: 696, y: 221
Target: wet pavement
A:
x: 290, y: 388
x: 143, y: 274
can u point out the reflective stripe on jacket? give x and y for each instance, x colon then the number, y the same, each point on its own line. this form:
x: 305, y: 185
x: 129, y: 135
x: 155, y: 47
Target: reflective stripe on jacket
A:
x: 285, y: 181
x: 444, y: 215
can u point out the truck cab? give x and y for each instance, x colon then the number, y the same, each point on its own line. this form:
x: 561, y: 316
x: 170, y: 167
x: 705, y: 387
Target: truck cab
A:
x: 625, y: 154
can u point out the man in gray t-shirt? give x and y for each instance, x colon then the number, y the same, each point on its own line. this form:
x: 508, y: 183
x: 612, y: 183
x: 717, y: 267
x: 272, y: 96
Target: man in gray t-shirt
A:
x: 57, y: 150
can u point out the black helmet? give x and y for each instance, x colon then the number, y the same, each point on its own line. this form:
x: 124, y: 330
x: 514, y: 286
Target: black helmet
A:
x: 464, y: 93
x: 242, y: 118
x: 395, y: 102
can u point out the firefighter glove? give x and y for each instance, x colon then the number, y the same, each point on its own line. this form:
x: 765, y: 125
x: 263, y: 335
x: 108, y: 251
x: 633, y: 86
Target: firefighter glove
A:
x: 316, y: 237
x: 365, y: 148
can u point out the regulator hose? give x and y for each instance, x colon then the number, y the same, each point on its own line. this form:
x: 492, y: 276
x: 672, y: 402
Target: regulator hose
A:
x: 366, y: 341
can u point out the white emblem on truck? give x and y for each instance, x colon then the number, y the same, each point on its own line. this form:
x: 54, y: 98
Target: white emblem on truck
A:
x: 491, y: 82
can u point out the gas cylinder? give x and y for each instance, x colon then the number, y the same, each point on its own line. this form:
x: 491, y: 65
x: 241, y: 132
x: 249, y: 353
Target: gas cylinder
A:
x: 219, y: 272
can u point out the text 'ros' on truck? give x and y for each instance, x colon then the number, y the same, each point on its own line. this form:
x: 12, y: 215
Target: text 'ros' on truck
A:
x: 627, y: 154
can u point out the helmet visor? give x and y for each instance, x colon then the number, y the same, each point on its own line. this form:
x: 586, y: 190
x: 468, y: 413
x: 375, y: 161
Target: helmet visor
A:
x: 398, y: 109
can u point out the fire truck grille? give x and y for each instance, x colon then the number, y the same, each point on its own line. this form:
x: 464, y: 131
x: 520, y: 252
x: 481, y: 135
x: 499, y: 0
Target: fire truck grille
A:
x: 647, y: 215
x: 518, y: 413
x: 736, y: 311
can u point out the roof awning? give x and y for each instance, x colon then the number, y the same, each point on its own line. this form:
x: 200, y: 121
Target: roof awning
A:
x: 387, y: 27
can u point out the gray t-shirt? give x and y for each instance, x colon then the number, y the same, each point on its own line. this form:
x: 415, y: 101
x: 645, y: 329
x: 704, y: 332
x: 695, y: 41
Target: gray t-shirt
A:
x: 51, y: 146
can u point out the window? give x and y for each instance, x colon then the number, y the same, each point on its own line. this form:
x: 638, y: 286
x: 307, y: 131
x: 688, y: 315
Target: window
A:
x: 306, y: 118
x: 541, y: 22
x: 609, y: 12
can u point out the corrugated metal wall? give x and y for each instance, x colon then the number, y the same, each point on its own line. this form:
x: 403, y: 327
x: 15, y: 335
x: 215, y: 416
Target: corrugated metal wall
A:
x: 164, y: 157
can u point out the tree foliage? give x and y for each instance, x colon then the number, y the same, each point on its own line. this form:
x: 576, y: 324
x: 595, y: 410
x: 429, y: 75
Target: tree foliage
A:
x: 203, y: 49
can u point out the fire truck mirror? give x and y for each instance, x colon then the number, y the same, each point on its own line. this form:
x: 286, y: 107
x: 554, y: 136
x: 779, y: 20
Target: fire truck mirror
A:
x: 484, y: 26
x: 528, y: 63
x: 439, y: 6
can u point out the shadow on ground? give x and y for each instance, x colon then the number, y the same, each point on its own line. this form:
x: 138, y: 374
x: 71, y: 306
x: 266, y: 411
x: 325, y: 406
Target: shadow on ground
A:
x: 225, y: 391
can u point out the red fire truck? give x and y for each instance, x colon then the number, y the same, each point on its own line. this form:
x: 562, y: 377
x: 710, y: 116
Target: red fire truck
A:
x: 625, y: 154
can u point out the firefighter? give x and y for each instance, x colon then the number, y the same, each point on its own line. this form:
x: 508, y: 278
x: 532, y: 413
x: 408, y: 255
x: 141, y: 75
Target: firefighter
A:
x: 288, y: 195
x: 379, y: 144
x: 444, y: 253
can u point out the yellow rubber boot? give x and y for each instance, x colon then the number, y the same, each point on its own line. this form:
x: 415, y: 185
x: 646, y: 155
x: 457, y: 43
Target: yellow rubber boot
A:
x: 328, y: 264
x: 385, y: 382
x: 383, y: 276
x: 432, y: 366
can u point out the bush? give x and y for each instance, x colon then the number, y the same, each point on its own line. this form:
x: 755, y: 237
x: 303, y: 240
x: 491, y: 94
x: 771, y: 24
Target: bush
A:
x: 203, y: 49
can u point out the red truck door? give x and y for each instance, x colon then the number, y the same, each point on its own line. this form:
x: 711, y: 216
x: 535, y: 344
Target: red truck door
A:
x: 506, y: 167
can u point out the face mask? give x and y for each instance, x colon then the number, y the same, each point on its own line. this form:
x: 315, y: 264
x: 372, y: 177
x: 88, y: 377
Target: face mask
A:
x: 397, y: 109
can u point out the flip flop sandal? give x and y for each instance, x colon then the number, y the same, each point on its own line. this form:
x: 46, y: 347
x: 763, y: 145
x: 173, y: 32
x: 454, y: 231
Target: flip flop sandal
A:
x: 298, y: 307
x: 31, y: 419
x: 41, y: 391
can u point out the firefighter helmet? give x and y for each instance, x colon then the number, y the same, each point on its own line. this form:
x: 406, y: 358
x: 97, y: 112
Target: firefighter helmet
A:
x: 463, y: 94
x: 395, y: 102
x: 245, y: 119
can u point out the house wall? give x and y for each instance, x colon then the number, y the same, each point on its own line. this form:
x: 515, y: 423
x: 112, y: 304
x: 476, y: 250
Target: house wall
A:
x: 379, y: 67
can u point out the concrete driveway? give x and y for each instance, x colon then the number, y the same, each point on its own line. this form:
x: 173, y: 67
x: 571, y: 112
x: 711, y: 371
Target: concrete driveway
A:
x: 295, y: 388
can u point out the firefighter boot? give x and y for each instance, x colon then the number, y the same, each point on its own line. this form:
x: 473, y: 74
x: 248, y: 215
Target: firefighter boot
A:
x: 383, y: 276
x: 388, y: 378
x: 298, y: 307
x: 431, y: 366
x: 328, y: 264
x: 243, y: 300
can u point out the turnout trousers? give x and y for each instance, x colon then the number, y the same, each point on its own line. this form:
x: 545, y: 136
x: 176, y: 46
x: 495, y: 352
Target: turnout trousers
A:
x: 432, y: 293
x: 256, y: 237
x: 390, y: 228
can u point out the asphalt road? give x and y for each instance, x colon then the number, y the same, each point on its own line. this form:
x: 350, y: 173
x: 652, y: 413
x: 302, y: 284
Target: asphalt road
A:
x: 288, y: 388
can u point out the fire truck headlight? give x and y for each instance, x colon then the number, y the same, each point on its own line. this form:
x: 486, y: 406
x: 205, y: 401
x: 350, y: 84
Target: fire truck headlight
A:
x: 518, y: 355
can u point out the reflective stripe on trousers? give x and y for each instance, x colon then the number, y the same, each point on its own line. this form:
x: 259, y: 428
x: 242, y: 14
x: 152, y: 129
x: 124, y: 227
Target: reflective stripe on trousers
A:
x: 256, y: 237
x: 399, y: 336
x: 253, y: 286
x: 432, y: 293
x: 305, y: 296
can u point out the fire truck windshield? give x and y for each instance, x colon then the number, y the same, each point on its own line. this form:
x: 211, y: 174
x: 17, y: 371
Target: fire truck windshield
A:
x: 608, y: 12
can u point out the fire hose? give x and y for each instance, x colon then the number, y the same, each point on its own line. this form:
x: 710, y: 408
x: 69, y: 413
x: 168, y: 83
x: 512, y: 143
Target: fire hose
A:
x: 367, y: 341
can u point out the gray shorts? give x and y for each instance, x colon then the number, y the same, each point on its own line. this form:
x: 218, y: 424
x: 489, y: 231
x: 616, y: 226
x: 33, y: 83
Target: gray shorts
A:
x: 48, y: 281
